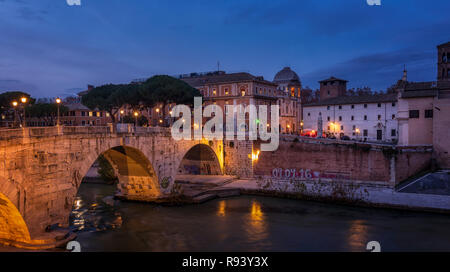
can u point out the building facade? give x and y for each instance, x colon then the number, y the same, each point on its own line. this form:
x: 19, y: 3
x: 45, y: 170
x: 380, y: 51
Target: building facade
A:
x: 365, y: 118
x: 289, y: 89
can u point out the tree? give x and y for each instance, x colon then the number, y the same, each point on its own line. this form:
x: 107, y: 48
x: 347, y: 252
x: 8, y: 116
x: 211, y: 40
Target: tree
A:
x: 7, y: 98
x: 105, y: 169
x: 167, y: 90
x: 46, y: 111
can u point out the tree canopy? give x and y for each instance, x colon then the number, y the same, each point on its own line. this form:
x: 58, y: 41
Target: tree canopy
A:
x: 7, y: 98
x: 157, y: 89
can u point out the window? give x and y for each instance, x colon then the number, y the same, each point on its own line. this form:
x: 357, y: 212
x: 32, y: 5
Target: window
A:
x: 340, y: 118
x: 393, y: 104
x: 354, y: 127
x: 365, y: 106
x: 340, y: 107
x: 353, y: 106
x: 329, y: 128
x: 328, y: 107
x: 428, y: 113
x: 379, y: 105
x: 365, y: 133
x: 353, y: 118
x: 413, y: 114
x: 379, y: 117
x: 393, y: 116
x: 83, y: 113
x: 393, y: 133
x: 309, y: 114
x: 365, y: 117
x: 328, y: 118
x: 342, y: 127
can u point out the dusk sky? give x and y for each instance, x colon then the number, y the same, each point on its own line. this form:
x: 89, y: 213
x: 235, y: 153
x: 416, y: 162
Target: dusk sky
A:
x: 48, y: 48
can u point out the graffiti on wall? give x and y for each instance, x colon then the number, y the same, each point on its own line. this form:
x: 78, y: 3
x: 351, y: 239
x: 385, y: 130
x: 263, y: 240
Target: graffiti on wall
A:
x: 307, y: 174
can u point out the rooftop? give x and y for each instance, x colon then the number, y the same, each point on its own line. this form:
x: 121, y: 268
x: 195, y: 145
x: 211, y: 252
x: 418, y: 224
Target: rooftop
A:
x: 343, y: 100
x: 424, y: 89
x: 220, y: 78
x: 332, y: 79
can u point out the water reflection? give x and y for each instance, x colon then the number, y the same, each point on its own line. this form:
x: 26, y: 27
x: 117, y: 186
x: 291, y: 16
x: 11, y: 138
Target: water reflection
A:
x: 256, y: 225
x: 222, y: 208
x: 94, y: 216
x: 357, y: 236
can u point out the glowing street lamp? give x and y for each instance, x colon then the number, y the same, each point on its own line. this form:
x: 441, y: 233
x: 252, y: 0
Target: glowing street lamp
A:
x: 15, y: 104
x: 58, y: 102
x: 24, y: 101
x: 136, y: 114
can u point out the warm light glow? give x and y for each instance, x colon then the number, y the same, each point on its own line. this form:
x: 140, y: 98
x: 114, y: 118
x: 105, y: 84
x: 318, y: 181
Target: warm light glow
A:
x: 170, y: 112
x: 58, y: 100
x: 24, y: 100
x: 288, y: 126
x: 195, y: 125
x: 122, y: 112
x: 184, y: 120
x: 157, y: 110
x: 160, y: 121
x: 268, y: 125
x: 14, y: 103
x: 255, y: 155
x: 136, y: 114
x: 222, y: 208
x: 357, y: 130
x: 301, y: 124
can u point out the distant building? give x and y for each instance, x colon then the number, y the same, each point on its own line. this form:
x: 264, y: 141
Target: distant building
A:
x: 289, y: 89
x: 332, y: 87
x: 369, y: 117
x: 424, y: 111
x: 221, y: 89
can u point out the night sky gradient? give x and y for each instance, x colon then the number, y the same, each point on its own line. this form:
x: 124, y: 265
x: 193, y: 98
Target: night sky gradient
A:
x: 48, y: 48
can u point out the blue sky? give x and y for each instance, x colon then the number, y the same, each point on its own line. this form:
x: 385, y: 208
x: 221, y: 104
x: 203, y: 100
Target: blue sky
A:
x: 48, y: 48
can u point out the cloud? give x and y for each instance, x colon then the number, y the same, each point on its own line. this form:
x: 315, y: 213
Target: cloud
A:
x: 379, y: 70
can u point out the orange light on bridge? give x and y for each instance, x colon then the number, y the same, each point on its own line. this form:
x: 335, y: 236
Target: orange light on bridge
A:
x: 14, y: 103
x: 136, y: 114
x: 24, y: 100
x: 58, y: 100
x: 255, y: 155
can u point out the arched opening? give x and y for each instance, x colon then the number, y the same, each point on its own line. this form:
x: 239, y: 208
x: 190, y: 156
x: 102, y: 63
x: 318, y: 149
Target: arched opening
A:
x: 121, y: 171
x: 200, y: 160
x: 12, y: 225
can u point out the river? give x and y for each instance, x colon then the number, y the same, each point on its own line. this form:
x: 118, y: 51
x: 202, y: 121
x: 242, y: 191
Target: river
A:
x: 249, y: 223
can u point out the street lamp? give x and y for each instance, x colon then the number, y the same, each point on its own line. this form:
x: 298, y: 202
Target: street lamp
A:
x: 136, y: 114
x: 58, y: 102
x: 121, y: 118
x: 15, y: 104
x: 357, y: 133
x: 24, y: 101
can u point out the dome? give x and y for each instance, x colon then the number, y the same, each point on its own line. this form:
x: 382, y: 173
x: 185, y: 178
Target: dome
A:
x: 286, y: 76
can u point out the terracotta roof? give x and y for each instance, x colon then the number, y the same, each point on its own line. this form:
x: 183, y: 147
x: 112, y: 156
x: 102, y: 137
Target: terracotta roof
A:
x: 343, y: 100
x: 224, y: 78
x: 76, y: 106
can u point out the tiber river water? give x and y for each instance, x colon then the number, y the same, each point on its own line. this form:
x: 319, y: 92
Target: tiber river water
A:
x: 249, y: 223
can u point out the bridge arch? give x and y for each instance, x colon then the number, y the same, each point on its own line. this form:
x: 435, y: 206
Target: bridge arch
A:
x: 12, y: 224
x: 134, y: 170
x: 200, y: 159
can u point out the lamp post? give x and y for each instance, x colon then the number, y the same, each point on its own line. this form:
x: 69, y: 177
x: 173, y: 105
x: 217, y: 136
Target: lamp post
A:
x: 15, y: 104
x: 121, y: 118
x: 58, y: 102
x: 136, y: 114
x: 24, y: 101
x: 357, y: 133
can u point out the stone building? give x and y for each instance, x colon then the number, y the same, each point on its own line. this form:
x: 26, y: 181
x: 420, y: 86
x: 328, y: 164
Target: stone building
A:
x: 424, y: 111
x: 289, y: 89
x: 367, y: 118
x: 221, y: 89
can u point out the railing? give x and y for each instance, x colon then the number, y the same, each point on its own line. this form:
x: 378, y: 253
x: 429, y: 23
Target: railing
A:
x: 72, y: 130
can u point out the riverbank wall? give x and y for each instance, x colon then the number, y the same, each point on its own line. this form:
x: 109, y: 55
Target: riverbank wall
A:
x: 352, y: 193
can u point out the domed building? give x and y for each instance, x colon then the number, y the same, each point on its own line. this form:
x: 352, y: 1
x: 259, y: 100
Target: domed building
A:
x: 288, y: 81
x: 289, y: 87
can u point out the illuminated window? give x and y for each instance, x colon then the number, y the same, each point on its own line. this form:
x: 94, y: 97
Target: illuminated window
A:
x: 91, y: 114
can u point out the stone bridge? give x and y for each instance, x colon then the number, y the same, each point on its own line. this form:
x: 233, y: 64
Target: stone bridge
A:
x: 42, y: 169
